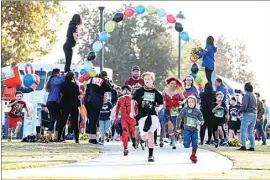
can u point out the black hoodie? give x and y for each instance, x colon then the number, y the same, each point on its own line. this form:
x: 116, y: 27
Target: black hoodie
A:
x: 207, y: 98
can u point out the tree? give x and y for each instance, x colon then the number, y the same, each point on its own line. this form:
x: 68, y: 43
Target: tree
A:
x: 29, y: 29
x: 139, y: 40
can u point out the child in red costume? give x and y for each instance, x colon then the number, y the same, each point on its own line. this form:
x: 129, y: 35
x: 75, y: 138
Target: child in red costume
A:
x: 128, y: 123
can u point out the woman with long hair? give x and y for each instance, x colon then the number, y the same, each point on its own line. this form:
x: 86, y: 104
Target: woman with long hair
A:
x: 53, y: 88
x: 173, y: 99
x: 94, y: 97
x: 70, y: 104
x: 72, y: 37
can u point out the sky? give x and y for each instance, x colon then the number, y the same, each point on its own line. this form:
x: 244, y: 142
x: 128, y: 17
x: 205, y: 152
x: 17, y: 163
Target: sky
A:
x: 249, y: 21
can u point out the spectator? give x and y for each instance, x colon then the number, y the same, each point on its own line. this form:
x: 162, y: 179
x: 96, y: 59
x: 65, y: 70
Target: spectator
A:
x: 259, y: 122
x: 266, y: 115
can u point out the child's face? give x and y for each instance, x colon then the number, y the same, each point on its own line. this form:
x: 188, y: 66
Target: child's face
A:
x: 219, y: 98
x: 148, y: 81
x: 19, y: 97
x: 233, y: 102
x: 126, y: 92
x: 191, y: 103
x: 105, y: 97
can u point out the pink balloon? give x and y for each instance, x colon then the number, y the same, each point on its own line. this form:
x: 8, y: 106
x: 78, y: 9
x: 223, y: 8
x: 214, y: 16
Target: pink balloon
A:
x: 171, y: 19
x: 81, y: 79
x: 129, y: 12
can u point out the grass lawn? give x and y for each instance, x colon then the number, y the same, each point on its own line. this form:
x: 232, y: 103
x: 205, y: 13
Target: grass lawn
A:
x: 18, y: 155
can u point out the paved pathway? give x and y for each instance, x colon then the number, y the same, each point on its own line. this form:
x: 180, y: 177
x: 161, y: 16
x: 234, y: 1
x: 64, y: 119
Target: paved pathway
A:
x: 112, y: 163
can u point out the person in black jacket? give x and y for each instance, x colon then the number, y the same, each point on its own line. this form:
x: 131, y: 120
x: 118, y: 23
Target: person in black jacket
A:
x: 70, y: 104
x: 207, y: 97
x: 94, y: 101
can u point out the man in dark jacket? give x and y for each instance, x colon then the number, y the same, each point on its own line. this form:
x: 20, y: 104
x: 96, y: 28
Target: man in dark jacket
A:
x: 259, y: 122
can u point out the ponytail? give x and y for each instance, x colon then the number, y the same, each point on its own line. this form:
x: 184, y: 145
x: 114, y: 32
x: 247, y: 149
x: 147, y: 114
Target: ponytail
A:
x: 48, y: 84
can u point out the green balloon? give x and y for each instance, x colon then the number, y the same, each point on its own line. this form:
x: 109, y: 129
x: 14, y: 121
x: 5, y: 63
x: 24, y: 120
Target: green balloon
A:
x: 198, y: 79
x: 151, y: 9
x: 110, y: 26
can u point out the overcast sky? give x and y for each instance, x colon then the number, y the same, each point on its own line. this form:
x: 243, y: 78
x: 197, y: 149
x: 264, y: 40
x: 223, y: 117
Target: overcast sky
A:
x: 249, y: 21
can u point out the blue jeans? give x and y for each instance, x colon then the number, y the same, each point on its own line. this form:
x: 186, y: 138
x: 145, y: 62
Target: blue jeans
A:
x: 104, y: 126
x: 191, y: 137
x: 259, y: 126
x: 247, y: 125
x: 173, y: 119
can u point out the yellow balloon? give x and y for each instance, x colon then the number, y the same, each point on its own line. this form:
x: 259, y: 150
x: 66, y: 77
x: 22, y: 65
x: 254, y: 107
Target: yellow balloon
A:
x: 151, y: 9
x: 110, y: 26
x: 92, y: 73
x: 204, y: 82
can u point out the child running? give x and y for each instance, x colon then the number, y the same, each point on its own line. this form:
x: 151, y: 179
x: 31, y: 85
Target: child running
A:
x: 128, y: 123
x: 15, y: 114
x: 220, y: 111
x: 104, y: 119
x: 192, y: 117
x: 150, y: 102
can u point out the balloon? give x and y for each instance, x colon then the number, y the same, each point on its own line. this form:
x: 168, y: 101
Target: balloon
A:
x: 118, y: 17
x: 200, y: 87
x: 195, y: 68
x: 171, y: 19
x: 103, y: 36
x: 83, y: 71
x: 198, y: 79
x: 139, y: 9
x: 110, y: 26
x: 97, y: 46
x: 86, y: 77
x: 193, y: 75
x: 184, y: 36
x: 91, y: 56
x: 161, y: 12
x: 178, y: 27
x: 37, y: 78
x: 81, y: 80
x: 15, y: 79
x: 28, y: 69
x: 194, y: 60
x: 151, y: 9
x: 28, y: 80
x: 88, y: 66
x: 129, y: 12
x: 204, y: 82
x: 85, y: 83
x: 92, y: 73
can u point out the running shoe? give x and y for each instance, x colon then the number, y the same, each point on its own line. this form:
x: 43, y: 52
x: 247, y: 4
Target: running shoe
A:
x: 125, y: 152
x: 151, y: 159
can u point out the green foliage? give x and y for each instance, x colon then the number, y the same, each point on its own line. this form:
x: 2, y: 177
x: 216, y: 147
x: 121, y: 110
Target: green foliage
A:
x: 139, y: 40
x: 29, y: 29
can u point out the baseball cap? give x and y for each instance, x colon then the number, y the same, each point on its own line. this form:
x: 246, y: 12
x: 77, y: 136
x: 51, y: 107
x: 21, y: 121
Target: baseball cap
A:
x: 135, y: 68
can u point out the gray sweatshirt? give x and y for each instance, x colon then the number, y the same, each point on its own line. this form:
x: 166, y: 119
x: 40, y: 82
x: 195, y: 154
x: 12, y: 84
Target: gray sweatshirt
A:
x: 249, y: 104
x: 190, y: 118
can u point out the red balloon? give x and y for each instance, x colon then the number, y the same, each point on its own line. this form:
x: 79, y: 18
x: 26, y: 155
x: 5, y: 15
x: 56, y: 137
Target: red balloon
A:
x: 194, y: 61
x: 86, y: 76
x: 200, y: 87
x: 81, y: 79
x: 129, y: 12
x: 171, y: 19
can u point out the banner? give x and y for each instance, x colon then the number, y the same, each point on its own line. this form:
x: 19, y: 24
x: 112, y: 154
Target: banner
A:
x: 29, y: 125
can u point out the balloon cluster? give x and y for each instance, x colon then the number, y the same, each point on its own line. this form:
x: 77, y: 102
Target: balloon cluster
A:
x: 88, y: 71
x: 29, y: 78
x: 198, y: 76
x: 193, y: 56
x: 139, y: 10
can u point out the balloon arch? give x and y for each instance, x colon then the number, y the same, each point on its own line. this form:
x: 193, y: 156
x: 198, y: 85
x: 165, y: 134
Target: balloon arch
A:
x: 88, y: 70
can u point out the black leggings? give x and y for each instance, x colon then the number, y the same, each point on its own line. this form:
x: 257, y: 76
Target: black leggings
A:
x: 54, y: 111
x: 68, y: 55
x: 208, y: 74
x: 208, y: 118
x: 155, y: 136
x: 74, y: 113
x: 93, y: 117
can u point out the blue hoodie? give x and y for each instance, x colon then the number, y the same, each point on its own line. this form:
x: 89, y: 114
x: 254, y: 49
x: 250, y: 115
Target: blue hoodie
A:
x: 208, y: 56
x: 56, y: 83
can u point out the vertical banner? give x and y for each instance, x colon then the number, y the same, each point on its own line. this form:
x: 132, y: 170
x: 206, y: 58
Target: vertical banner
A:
x: 29, y: 125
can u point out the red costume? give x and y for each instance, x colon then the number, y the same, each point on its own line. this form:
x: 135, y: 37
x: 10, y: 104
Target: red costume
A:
x: 172, y: 101
x: 128, y: 123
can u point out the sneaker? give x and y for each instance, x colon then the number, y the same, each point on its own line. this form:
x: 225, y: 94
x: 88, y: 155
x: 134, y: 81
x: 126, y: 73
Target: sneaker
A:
x: 151, y: 159
x: 264, y: 143
x: 93, y: 141
x: 161, y: 144
x: 171, y: 143
x: 216, y: 143
x: 242, y: 148
x: 125, y: 152
x: 194, y: 159
x: 9, y: 138
x: 77, y: 141
x: 208, y: 143
x: 174, y: 147
x: 223, y: 143
x: 251, y: 149
x: 134, y: 145
x: 156, y: 144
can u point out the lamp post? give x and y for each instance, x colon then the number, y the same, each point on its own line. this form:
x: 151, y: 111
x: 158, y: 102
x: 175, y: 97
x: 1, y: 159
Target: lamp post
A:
x: 179, y: 16
x: 101, y: 25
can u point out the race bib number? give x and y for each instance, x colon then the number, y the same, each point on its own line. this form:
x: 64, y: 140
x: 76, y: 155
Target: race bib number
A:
x: 191, y: 122
x: 174, y: 112
x: 219, y: 113
x: 149, y: 97
x: 97, y: 81
x: 234, y: 118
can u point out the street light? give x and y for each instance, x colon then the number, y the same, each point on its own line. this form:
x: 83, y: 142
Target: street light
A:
x: 101, y: 25
x: 179, y: 16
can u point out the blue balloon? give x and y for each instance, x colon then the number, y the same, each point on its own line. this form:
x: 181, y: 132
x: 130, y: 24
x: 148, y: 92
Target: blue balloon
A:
x: 28, y: 80
x: 88, y: 66
x: 103, y: 36
x: 97, y: 46
x: 83, y: 71
x: 184, y: 36
x: 161, y: 12
x: 139, y: 9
